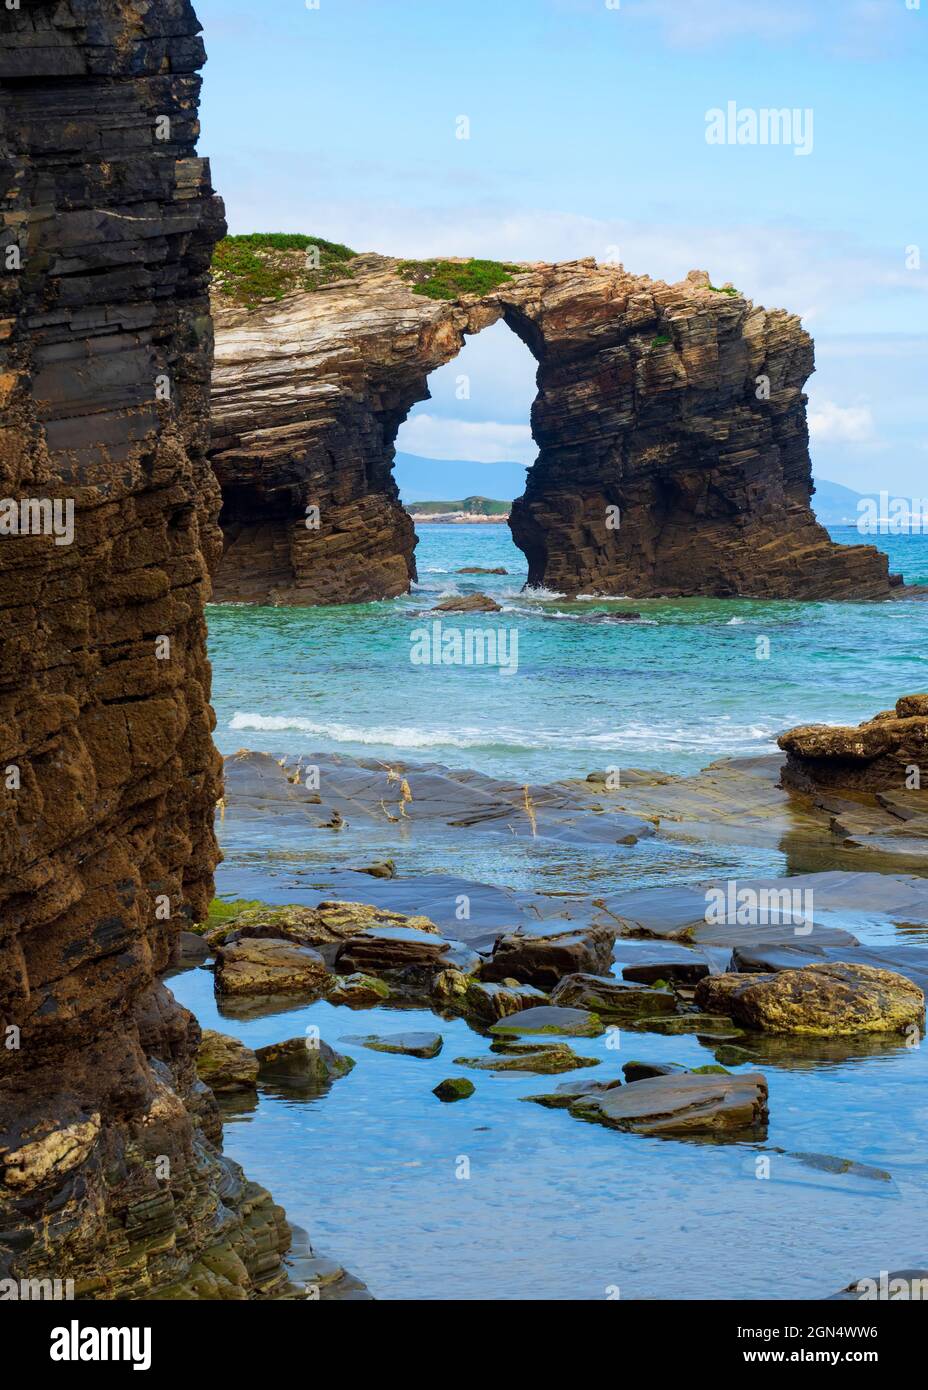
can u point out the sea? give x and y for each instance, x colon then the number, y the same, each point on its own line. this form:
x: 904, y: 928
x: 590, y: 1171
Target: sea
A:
x: 494, y: 1198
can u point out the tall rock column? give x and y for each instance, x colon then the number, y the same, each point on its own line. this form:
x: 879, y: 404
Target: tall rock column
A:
x: 108, y: 775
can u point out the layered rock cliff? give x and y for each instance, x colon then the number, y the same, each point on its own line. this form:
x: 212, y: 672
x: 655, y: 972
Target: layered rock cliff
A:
x: 670, y: 422
x: 108, y: 777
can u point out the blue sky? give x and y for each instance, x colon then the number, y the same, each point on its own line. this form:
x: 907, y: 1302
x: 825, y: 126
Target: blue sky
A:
x: 588, y: 137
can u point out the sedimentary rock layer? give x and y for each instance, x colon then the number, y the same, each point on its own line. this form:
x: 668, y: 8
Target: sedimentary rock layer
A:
x: 108, y: 776
x: 670, y: 422
x: 888, y: 753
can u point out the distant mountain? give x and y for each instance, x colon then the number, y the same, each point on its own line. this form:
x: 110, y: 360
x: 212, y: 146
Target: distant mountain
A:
x: 473, y: 506
x: 423, y: 480
x: 834, y: 504
x: 431, y: 480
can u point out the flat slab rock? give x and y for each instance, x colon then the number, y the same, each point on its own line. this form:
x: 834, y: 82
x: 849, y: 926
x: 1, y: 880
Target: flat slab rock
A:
x: 271, y: 966
x: 391, y: 948
x: 549, y: 1059
x: 682, y: 1106
x: 824, y: 1000
x: 407, y: 1044
x: 571, y: 1023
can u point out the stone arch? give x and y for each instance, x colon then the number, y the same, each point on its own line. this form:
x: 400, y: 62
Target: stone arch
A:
x: 675, y: 411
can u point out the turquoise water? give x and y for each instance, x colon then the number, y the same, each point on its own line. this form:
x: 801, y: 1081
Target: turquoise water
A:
x: 681, y: 686
x: 551, y: 1207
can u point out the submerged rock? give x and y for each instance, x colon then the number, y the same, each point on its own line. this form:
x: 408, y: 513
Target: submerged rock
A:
x: 226, y: 1064
x: 571, y: 1023
x: 303, y: 1061
x: 564, y: 1095
x: 454, y: 1088
x: 549, y: 1059
x: 682, y: 1106
x: 605, y: 994
x: 270, y: 966
x: 827, y: 1000
x: 408, y: 1044
x: 385, y: 869
x: 546, y: 958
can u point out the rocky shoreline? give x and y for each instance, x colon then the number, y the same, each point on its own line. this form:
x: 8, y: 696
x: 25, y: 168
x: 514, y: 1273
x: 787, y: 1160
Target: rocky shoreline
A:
x: 772, y: 980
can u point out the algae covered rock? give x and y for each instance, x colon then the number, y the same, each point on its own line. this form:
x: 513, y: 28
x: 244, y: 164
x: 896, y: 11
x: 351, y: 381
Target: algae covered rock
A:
x: 226, y: 1064
x: 359, y: 991
x: 548, y: 1060
x: 305, y: 1061
x: 571, y: 1023
x: 454, y: 1088
x: 827, y: 999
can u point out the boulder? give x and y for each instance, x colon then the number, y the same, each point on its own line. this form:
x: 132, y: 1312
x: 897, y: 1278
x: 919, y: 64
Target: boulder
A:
x: 392, y: 948
x: 302, y: 1061
x: 607, y: 995
x: 468, y: 603
x: 424, y: 1045
x: 682, y: 1106
x: 873, y: 756
x: 824, y: 1000
x: 226, y: 1064
x: 271, y: 966
x: 485, y: 1001
x: 545, y: 958
x: 454, y: 1088
x: 571, y: 1023
x: 359, y: 991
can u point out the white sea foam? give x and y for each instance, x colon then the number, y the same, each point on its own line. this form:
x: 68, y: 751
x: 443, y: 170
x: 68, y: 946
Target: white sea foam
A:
x: 720, y: 735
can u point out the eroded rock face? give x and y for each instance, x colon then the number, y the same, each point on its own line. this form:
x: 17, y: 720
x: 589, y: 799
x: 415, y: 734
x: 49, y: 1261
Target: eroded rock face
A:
x: 882, y: 754
x: 109, y: 1172
x: 670, y: 420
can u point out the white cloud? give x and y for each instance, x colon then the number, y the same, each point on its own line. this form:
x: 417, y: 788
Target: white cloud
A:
x: 849, y: 424
x: 484, y: 441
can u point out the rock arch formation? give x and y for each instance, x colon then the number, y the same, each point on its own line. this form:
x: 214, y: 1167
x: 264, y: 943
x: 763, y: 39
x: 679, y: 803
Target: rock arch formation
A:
x: 676, y: 410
